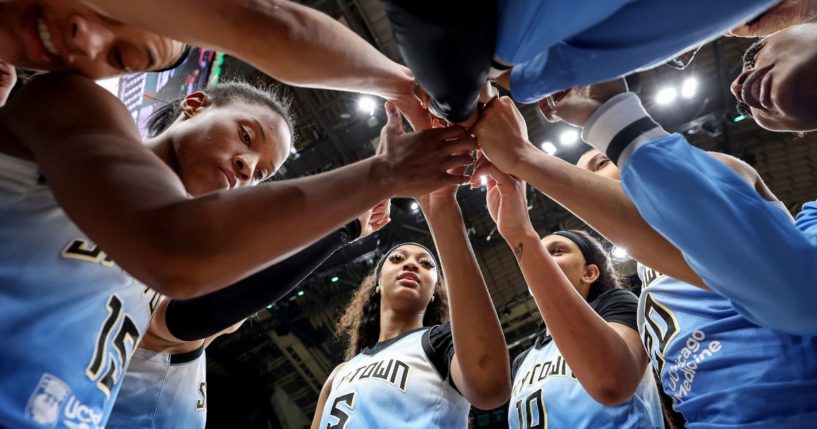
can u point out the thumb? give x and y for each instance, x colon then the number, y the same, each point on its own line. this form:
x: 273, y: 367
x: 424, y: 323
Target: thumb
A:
x: 394, y: 123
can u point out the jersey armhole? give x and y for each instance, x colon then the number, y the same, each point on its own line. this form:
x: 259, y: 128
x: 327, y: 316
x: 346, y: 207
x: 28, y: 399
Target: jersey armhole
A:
x: 438, y: 360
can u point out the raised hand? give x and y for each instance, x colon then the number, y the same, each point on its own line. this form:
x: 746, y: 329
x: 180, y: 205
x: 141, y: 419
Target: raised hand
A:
x: 412, y: 104
x: 502, y: 133
x: 8, y: 77
x: 507, y: 203
x: 575, y: 106
x: 419, y: 162
x: 375, y: 219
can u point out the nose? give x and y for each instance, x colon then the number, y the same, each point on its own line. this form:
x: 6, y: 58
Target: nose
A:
x: 410, y: 266
x: 737, y: 84
x: 88, y: 38
x: 244, y: 167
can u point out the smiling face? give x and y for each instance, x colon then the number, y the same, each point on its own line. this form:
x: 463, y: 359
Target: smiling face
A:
x: 597, y: 162
x: 224, y: 147
x: 777, y: 86
x: 65, y: 35
x: 408, y: 279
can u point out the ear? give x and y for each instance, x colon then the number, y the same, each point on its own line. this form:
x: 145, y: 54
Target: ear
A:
x: 591, y: 273
x: 193, y: 103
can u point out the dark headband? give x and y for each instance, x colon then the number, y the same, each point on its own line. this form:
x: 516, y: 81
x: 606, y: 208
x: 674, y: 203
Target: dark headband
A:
x: 580, y: 241
x: 409, y: 243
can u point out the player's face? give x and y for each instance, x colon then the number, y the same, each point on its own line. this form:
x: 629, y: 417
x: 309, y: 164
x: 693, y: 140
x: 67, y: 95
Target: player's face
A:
x: 407, y: 279
x: 597, y: 162
x: 65, y: 35
x: 231, y: 146
x: 570, y: 260
x: 777, y: 84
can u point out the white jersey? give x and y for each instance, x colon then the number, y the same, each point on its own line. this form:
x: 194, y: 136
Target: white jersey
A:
x: 71, y: 317
x: 395, y: 385
x: 163, y: 391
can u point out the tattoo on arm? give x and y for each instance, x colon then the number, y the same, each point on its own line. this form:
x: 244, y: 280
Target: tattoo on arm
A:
x: 517, y: 251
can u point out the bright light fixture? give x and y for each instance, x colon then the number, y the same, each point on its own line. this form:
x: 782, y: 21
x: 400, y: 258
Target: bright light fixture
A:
x: 666, y: 96
x: 549, y: 148
x: 689, y: 87
x: 366, y: 105
x: 415, y: 206
x: 620, y: 253
x: 569, y: 137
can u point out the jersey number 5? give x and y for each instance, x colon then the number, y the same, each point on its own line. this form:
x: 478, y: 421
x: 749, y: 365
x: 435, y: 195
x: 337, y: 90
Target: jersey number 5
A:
x: 123, y: 340
x: 342, y: 416
x: 534, y: 408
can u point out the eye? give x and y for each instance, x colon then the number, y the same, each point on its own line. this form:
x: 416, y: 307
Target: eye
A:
x: 259, y: 175
x: 556, y: 251
x: 118, y: 62
x: 603, y: 163
x: 245, y: 136
x: 396, y: 257
x: 428, y: 263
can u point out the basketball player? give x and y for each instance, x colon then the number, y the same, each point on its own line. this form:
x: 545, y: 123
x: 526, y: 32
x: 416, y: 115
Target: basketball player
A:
x: 146, y: 205
x: 587, y: 369
x: 165, y: 385
x: 696, y: 339
x: 406, y: 367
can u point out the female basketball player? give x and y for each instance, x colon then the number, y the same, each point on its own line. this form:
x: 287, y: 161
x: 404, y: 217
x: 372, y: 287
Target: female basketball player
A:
x: 156, y: 208
x: 588, y: 368
x: 405, y: 367
x: 695, y: 338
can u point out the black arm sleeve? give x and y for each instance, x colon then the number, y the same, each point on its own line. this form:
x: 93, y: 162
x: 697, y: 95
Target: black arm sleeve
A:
x: 201, y: 317
x: 449, y: 46
x: 617, y: 305
x: 438, y: 344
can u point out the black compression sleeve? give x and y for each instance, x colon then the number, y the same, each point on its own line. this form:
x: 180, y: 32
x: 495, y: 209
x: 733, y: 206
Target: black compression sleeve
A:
x: 448, y: 45
x: 204, y: 316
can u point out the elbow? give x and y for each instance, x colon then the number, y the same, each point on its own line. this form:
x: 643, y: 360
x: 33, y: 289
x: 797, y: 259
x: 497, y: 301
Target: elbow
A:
x: 490, y: 395
x: 169, y: 279
x: 612, y: 393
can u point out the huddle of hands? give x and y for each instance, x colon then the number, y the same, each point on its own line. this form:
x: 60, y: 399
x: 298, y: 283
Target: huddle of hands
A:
x: 495, y: 143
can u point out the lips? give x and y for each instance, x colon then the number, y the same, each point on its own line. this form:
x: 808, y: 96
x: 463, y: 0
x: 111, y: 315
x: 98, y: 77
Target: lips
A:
x: 409, y: 276
x: 756, y: 90
x: 38, y: 41
x: 228, y: 178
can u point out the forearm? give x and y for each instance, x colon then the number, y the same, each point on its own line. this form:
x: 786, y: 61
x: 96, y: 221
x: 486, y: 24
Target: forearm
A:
x: 292, y: 43
x: 598, y: 356
x: 742, y: 246
x: 481, y: 351
x: 207, y: 315
x: 601, y: 203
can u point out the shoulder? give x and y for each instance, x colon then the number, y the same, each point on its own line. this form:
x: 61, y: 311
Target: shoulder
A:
x: 518, y: 361
x: 618, y: 306
x: 66, y: 104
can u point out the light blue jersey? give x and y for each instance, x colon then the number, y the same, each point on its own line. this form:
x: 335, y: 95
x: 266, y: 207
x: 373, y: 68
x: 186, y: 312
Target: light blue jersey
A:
x: 721, y: 370
x: 69, y: 316
x: 394, y: 385
x: 162, y: 391
x: 546, y: 393
x: 558, y: 44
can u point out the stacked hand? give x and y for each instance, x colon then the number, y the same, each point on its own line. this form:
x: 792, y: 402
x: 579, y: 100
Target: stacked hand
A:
x: 375, y: 219
x: 507, y: 202
x: 419, y: 162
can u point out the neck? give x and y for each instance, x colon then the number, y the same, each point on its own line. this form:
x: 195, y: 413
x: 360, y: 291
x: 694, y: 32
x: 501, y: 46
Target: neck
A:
x: 393, y: 323
x: 162, y: 147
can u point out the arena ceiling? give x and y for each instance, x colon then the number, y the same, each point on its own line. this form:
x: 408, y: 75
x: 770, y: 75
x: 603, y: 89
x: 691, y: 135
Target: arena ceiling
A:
x: 270, y: 372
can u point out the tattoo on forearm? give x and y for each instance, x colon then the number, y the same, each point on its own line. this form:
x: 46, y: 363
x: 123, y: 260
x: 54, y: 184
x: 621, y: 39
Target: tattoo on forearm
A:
x: 517, y: 251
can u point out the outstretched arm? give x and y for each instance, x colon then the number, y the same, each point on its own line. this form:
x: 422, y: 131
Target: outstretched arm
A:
x: 295, y: 44
x: 480, y: 367
x: 136, y: 208
x: 745, y: 247
x: 580, y: 333
x: 598, y: 201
